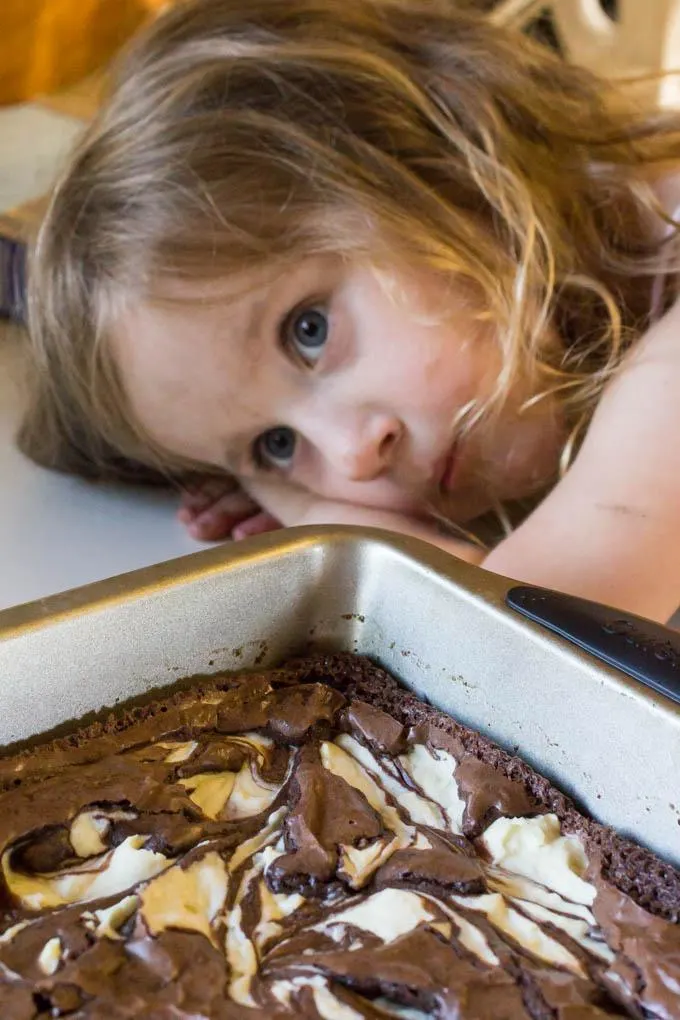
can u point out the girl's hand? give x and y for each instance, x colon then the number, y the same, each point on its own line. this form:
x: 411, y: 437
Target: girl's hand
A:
x: 215, y: 508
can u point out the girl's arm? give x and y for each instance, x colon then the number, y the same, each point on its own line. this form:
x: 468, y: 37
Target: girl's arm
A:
x: 296, y: 507
x: 610, y: 530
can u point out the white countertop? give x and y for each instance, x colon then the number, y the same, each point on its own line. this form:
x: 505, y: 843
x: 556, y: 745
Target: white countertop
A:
x: 58, y: 532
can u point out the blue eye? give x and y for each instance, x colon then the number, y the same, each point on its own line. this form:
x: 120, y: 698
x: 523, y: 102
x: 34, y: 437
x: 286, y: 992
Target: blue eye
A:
x: 276, y: 447
x: 308, y: 332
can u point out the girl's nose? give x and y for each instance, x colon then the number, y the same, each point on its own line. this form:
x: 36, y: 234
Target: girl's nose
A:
x: 368, y: 451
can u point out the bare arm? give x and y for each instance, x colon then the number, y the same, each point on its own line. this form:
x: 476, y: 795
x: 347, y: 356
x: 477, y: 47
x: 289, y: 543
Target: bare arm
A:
x: 296, y: 507
x: 610, y: 530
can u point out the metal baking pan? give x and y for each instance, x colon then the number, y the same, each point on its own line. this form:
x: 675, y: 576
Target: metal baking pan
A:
x: 443, y: 627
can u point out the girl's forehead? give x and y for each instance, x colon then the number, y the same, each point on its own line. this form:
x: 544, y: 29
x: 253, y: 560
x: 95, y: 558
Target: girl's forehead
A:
x: 236, y: 285
x: 179, y: 362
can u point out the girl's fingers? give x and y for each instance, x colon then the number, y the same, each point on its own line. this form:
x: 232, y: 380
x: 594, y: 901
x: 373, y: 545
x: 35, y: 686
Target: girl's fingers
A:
x: 215, y: 508
x: 255, y: 525
x: 200, y: 494
x: 217, y: 520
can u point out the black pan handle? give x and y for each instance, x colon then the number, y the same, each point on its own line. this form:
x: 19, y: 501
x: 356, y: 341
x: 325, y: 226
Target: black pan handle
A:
x: 647, y: 651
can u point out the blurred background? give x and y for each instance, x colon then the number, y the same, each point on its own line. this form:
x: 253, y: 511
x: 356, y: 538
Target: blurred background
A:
x: 49, y: 45
x: 52, y: 56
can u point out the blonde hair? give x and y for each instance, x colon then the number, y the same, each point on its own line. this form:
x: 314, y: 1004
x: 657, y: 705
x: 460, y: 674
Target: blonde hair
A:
x: 242, y: 132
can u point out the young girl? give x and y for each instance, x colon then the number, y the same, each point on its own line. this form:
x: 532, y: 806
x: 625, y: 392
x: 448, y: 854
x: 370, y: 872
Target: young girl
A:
x: 383, y: 263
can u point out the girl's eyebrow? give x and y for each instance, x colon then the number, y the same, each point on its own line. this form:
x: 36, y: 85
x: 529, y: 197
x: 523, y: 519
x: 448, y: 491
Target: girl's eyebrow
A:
x: 247, y: 331
x: 253, y: 345
x: 253, y: 331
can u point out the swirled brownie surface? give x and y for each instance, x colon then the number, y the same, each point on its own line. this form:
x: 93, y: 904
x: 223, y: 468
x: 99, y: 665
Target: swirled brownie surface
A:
x: 315, y: 842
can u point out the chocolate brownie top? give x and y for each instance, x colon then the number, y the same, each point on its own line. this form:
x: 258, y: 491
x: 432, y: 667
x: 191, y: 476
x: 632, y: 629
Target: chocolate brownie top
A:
x: 317, y: 842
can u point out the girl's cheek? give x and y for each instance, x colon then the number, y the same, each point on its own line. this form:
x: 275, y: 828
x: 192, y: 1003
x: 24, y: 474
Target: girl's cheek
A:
x: 315, y: 474
x: 305, y: 467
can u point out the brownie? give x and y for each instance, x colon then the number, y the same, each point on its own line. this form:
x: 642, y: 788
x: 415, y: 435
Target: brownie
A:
x: 316, y: 842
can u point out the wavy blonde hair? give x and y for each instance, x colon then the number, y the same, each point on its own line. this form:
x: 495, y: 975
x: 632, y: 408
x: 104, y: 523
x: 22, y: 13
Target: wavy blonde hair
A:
x: 242, y: 132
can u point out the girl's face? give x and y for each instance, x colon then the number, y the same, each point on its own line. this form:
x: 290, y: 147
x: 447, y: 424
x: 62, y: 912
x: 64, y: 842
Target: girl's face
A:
x: 340, y: 379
